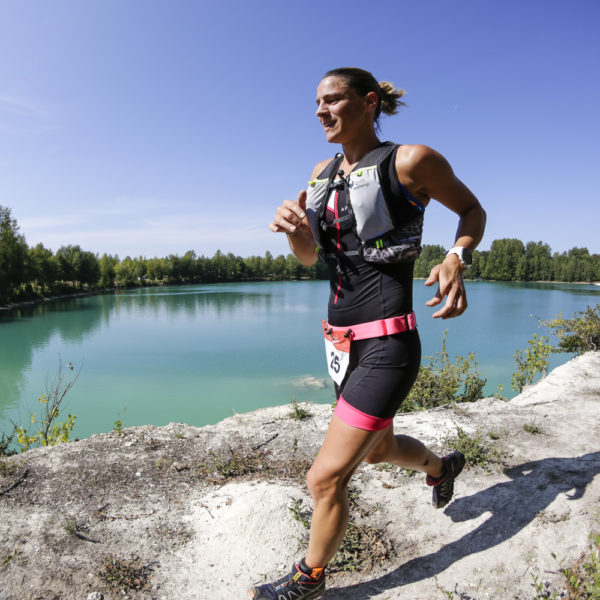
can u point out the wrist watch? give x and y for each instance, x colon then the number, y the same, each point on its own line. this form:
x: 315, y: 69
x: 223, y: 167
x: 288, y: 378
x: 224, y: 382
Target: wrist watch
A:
x: 464, y: 255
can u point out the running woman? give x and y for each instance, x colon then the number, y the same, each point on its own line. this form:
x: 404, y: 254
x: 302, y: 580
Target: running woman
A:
x: 362, y: 214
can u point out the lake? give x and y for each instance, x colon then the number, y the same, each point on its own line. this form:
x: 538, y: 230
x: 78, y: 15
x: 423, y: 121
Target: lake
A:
x: 200, y: 353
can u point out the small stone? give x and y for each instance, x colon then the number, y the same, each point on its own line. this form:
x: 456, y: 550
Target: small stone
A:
x: 95, y: 596
x: 138, y: 474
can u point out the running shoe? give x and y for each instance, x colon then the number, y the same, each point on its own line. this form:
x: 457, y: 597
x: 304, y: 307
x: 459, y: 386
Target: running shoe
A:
x: 443, y: 488
x: 303, y: 583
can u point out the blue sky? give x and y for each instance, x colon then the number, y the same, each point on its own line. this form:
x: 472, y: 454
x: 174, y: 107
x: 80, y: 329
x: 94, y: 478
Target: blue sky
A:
x: 147, y: 128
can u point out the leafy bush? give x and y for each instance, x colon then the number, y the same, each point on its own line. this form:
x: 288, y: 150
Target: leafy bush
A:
x: 534, y: 362
x: 479, y: 448
x: 579, y: 334
x: 48, y: 430
x: 443, y: 382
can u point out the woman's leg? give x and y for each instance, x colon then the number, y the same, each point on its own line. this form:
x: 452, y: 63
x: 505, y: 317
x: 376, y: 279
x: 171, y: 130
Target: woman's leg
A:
x: 344, y: 448
x: 405, y: 451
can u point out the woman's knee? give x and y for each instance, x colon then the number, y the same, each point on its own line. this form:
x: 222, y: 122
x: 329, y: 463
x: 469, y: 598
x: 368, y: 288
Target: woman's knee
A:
x: 381, y: 452
x: 374, y: 458
x: 323, y: 483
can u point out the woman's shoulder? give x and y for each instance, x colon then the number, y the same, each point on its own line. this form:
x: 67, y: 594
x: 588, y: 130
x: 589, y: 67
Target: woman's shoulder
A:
x: 413, y: 160
x: 415, y: 153
x: 320, y: 167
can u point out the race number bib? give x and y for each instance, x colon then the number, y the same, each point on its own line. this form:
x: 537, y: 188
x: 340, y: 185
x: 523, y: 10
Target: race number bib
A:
x: 337, y: 351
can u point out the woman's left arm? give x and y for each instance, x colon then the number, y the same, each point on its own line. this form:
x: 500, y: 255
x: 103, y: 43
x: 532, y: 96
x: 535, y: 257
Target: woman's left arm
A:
x: 432, y: 176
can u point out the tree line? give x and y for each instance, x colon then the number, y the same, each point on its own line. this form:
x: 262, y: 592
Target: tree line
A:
x: 30, y: 272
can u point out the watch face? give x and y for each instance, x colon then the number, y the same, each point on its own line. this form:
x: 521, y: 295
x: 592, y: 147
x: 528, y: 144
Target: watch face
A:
x: 467, y: 256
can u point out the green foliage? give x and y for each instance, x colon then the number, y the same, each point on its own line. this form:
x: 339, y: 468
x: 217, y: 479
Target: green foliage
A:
x: 48, y: 430
x: 233, y: 464
x: 300, y: 512
x: 533, y: 428
x: 443, y: 382
x: 583, y: 578
x: 479, y: 448
x: 125, y: 574
x: 34, y: 272
x: 431, y: 255
x: 505, y: 260
x: 579, y: 334
x: 13, y: 255
x: 298, y: 413
x: 118, y: 426
x: 534, y: 362
x: 6, y: 441
x: 363, y: 546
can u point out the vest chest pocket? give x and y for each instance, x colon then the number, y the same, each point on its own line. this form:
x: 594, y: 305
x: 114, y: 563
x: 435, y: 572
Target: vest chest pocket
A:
x: 368, y: 205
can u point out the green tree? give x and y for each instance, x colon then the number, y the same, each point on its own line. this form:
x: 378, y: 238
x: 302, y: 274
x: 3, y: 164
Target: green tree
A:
x: 504, y: 259
x: 126, y: 272
x: 539, y: 261
x: 13, y: 256
x: 476, y: 270
x: 89, y: 269
x: 43, y: 268
x: 106, y: 265
x: 68, y: 258
x: 431, y: 255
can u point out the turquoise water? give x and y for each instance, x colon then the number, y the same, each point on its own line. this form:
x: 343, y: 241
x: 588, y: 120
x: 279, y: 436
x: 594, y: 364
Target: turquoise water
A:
x: 200, y: 353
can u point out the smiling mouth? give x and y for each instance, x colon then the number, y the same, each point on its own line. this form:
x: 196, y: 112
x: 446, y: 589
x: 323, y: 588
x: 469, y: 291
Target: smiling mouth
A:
x: 328, y: 124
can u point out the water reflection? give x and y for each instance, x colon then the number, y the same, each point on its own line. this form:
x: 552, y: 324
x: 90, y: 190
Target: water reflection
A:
x: 27, y: 330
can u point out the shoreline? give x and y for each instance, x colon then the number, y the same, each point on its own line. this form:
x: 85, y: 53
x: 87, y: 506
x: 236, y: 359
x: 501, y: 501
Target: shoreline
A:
x: 32, y: 302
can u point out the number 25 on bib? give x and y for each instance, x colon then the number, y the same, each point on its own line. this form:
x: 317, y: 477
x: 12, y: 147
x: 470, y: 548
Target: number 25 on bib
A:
x: 337, y: 351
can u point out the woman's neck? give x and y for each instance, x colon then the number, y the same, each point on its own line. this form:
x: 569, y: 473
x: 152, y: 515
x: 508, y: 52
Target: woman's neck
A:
x: 356, y: 149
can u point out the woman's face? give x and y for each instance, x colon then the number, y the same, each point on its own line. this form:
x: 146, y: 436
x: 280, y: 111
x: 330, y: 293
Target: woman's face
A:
x: 344, y: 114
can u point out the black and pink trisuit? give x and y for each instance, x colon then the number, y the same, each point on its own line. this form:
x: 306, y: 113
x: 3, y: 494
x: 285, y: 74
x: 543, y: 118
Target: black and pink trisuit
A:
x: 368, y: 228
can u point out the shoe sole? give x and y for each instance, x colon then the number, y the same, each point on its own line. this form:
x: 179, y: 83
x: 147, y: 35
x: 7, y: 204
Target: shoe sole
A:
x: 252, y: 594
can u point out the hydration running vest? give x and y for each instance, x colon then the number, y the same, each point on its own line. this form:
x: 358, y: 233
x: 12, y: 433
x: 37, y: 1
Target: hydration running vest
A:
x: 386, y: 218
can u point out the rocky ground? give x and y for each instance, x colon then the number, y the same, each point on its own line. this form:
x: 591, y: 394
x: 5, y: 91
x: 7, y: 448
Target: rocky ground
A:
x: 180, y: 512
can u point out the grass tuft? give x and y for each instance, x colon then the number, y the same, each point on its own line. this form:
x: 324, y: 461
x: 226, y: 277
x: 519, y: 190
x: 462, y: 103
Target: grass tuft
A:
x: 583, y: 578
x: 125, y: 574
x: 298, y: 413
x: 479, y: 448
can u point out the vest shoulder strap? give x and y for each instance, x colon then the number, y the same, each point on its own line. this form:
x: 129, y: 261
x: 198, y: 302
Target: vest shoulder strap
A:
x: 401, y: 204
x: 330, y: 171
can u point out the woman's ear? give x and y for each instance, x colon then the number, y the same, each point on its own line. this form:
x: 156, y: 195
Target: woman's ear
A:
x: 372, y: 100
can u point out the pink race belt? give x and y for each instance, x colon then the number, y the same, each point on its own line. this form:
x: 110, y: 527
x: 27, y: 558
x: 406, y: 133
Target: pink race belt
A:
x: 373, y: 329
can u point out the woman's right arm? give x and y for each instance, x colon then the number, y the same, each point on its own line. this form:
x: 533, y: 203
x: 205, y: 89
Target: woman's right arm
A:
x: 290, y: 218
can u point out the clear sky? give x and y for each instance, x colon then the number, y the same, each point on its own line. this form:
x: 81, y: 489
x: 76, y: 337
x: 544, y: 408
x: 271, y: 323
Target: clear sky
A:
x: 146, y: 127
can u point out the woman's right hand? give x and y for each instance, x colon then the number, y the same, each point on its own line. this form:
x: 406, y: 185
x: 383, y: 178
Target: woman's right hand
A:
x: 290, y: 217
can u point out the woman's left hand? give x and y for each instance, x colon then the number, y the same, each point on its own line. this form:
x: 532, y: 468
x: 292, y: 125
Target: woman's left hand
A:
x: 448, y: 274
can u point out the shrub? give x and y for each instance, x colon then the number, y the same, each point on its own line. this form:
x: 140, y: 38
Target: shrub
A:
x: 443, y: 382
x: 534, y: 362
x: 479, y: 448
x: 579, y: 334
x: 48, y: 430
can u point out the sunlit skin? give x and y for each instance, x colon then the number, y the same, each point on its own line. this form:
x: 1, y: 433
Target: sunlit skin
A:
x: 348, y: 119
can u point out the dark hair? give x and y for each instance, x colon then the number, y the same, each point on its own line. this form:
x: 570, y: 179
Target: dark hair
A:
x: 363, y: 82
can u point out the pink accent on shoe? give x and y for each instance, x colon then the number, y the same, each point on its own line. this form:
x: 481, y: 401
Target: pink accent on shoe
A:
x: 429, y: 480
x: 356, y: 418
